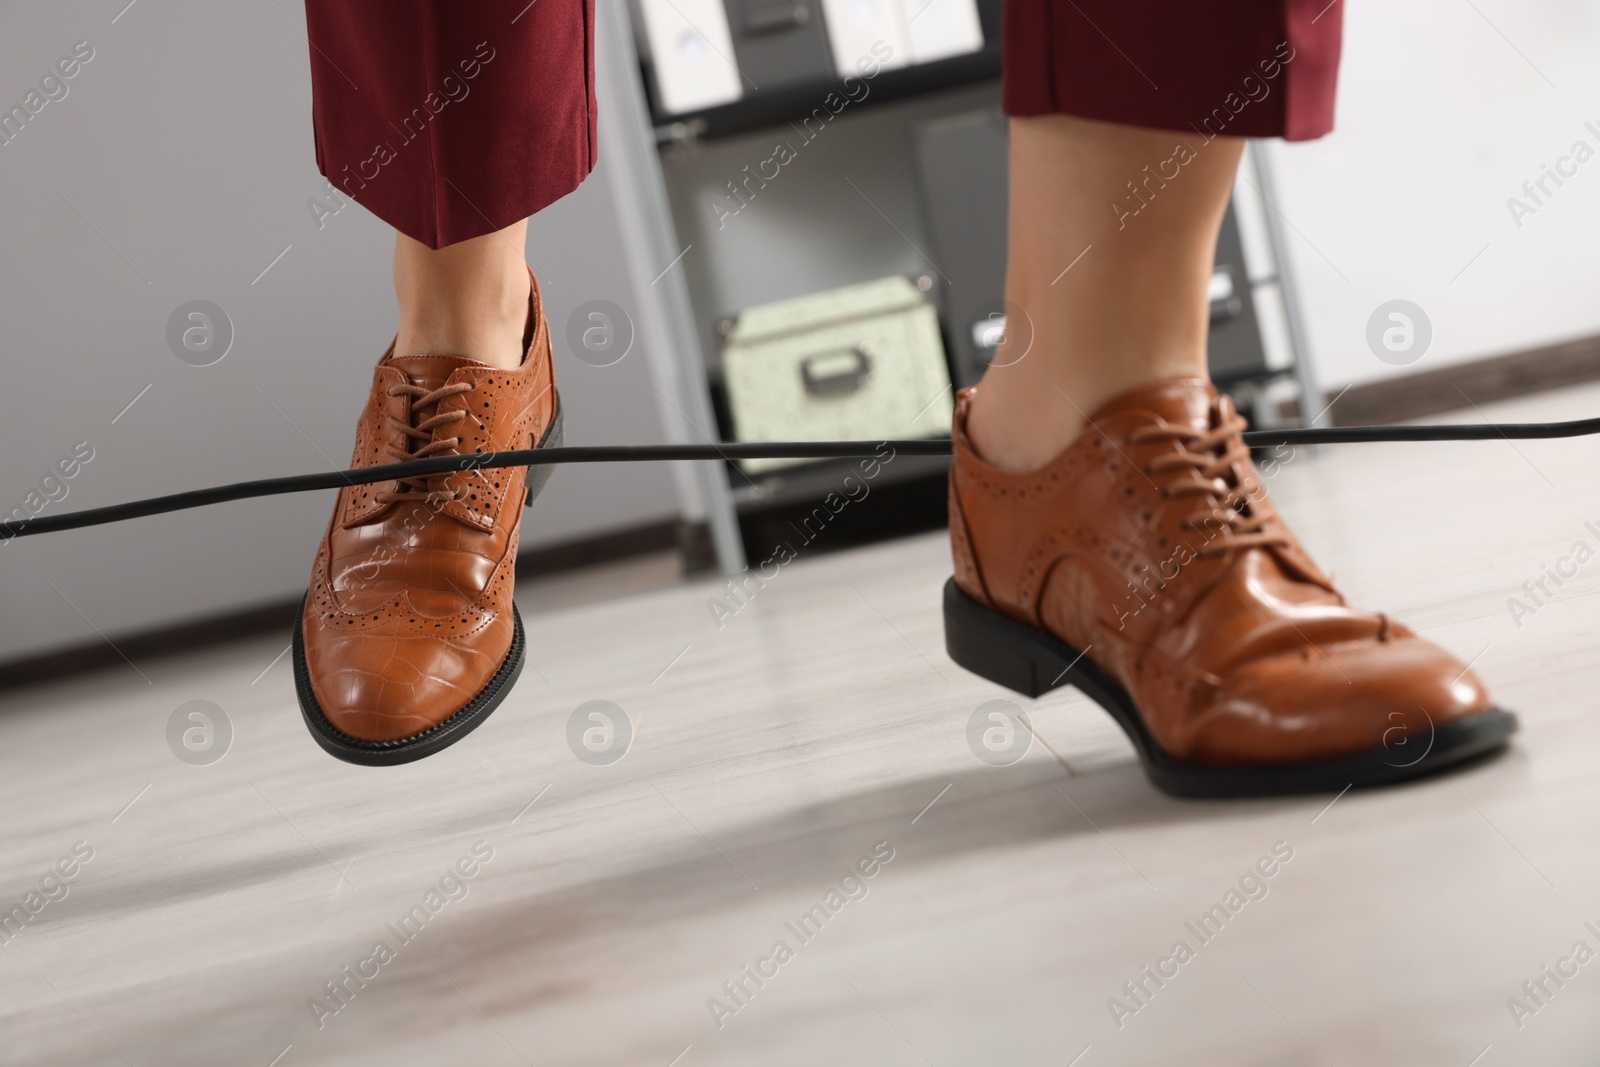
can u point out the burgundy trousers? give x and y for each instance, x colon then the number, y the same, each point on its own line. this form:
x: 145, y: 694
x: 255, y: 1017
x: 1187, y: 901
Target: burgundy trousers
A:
x: 450, y: 119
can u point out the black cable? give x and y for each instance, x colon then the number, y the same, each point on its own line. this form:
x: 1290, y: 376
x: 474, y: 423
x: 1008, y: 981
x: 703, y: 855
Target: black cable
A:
x: 418, y: 468
x: 1504, y: 431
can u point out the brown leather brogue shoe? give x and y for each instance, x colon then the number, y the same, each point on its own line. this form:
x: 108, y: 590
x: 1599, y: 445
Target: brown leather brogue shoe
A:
x: 1146, y: 566
x: 408, y: 638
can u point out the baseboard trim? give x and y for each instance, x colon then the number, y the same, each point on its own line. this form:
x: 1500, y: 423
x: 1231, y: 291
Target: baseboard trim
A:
x: 154, y: 644
x: 1415, y: 396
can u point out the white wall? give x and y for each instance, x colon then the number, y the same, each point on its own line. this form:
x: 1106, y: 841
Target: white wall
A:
x: 1441, y: 117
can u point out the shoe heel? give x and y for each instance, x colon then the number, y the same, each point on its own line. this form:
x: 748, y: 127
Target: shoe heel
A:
x: 998, y: 648
x: 539, y: 475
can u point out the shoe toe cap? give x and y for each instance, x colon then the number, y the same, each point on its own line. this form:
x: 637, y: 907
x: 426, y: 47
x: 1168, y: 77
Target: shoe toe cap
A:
x: 388, y: 687
x: 1322, y: 703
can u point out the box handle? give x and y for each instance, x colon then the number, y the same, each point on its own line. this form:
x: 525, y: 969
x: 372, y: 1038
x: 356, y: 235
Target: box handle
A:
x: 836, y: 372
x: 775, y: 18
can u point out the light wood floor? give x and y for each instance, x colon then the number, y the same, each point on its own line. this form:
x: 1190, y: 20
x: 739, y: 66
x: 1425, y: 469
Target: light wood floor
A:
x: 774, y: 753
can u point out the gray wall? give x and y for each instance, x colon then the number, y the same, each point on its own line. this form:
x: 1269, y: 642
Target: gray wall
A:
x: 184, y: 147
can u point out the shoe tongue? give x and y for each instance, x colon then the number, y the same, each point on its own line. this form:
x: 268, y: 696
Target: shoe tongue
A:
x: 1178, y: 401
x: 431, y: 372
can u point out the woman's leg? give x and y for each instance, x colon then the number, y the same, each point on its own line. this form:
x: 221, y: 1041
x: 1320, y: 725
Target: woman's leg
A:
x: 1128, y: 119
x: 469, y: 299
x: 1140, y: 557
x: 452, y: 123
x: 1110, y: 298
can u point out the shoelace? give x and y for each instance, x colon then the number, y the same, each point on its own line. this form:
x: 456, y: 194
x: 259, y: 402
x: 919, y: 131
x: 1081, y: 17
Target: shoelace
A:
x: 1211, y: 458
x: 421, y: 397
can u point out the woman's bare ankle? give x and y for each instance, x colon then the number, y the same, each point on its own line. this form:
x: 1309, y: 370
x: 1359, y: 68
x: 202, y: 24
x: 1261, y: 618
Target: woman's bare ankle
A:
x: 470, y: 299
x: 1018, y: 430
x: 1021, y: 419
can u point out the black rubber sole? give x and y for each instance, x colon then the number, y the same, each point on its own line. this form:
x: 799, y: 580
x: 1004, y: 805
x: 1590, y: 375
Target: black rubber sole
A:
x: 1033, y: 662
x: 442, y: 734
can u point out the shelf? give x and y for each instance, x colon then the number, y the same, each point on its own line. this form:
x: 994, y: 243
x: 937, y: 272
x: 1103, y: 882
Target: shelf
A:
x: 809, y: 483
x: 764, y: 108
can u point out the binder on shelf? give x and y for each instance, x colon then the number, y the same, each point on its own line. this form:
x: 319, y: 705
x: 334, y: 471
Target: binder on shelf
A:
x: 914, y: 31
x: 716, y: 67
x: 691, y: 47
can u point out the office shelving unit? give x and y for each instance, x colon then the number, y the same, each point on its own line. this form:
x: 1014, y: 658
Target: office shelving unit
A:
x: 856, y: 204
